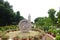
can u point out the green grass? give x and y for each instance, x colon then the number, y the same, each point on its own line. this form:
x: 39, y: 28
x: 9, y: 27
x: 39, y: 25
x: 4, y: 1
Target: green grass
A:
x: 12, y: 27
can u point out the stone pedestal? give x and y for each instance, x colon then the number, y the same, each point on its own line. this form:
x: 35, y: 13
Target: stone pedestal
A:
x: 24, y: 36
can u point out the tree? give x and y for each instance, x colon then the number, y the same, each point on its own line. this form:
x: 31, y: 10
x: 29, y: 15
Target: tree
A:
x: 18, y: 17
x: 7, y: 15
x: 1, y: 1
x: 36, y: 19
x: 39, y: 22
x: 58, y: 14
x: 43, y: 23
x: 58, y: 17
x: 51, y: 13
x: 47, y: 21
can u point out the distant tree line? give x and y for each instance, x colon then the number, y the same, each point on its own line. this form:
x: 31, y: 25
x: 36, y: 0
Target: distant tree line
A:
x: 7, y: 15
x: 52, y: 20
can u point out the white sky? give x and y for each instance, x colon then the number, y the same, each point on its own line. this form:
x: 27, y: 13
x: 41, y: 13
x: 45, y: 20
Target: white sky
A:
x: 37, y: 8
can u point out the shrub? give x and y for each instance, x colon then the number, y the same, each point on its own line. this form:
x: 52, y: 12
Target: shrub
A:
x: 4, y: 28
x: 58, y: 31
x: 54, y: 32
x: 57, y: 37
x: 50, y: 31
x: 46, y: 28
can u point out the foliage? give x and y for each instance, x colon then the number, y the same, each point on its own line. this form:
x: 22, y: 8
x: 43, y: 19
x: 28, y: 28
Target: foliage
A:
x: 50, y: 30
x: 39, y: 21
x: 51, y: 13
x: 58, y: 17
x: 43, y: 23
x: 1, y: 1
x: 47, y: 21
x: 7, y: 15
x: 58, y: 14
x: 58, y: 31
x: 5, y: 28
x: 46, y: 28
x: 55, y: 32
x: 58, y: 37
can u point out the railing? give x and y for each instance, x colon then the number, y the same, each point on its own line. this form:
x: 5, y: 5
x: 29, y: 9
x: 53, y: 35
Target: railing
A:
x: 46, y: 36
x: 49, y: 37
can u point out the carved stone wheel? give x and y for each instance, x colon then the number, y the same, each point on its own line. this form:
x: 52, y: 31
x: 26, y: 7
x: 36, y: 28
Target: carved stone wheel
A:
x: 24, y: 25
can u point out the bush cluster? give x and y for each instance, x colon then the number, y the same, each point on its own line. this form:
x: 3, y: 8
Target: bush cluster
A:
x: 5, y: 28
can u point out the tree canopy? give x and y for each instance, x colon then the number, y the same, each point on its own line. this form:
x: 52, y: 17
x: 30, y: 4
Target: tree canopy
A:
x: 51, y: 13
x: 51, y: 20
x: 7, y: 15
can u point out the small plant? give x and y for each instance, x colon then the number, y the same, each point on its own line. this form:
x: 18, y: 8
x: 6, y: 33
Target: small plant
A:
x: 50, y: 31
